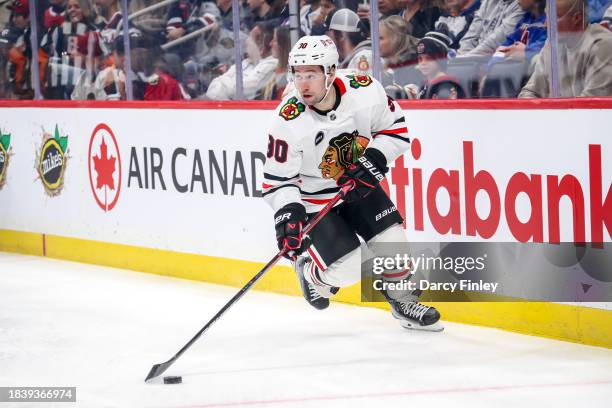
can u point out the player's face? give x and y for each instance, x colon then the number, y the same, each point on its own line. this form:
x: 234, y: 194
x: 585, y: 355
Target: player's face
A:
x: 310, y: 82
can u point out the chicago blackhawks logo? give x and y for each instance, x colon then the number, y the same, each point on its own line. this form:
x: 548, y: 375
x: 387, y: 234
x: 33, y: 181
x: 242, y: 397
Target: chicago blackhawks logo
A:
x: 5, y: 151
x: 51, y: 161
x: 358, y: 81
x: 105, y: 160
x: 343, y: 151
x: 292, y: 109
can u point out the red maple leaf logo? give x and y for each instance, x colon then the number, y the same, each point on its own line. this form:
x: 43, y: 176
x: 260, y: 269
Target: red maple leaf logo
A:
x: 105, y: 167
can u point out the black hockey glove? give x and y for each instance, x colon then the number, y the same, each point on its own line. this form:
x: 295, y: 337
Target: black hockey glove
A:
x: 289, y: 222
x: 369, y: 170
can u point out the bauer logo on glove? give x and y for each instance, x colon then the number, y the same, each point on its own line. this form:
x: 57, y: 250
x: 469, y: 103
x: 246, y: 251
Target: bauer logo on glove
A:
x: 369, y: 170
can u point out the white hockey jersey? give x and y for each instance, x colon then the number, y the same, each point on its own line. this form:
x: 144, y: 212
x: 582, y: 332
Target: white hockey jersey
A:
x: 307, y: 148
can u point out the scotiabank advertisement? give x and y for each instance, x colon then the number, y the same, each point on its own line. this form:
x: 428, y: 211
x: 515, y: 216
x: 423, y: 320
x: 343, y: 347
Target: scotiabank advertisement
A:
x: 189, y: 180
x: 506, y: 175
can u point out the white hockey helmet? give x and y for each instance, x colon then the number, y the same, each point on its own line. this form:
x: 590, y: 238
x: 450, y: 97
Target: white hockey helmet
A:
x: 314, y: 50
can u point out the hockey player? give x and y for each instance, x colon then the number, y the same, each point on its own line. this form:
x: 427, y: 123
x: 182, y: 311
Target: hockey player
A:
x: 326, y: 132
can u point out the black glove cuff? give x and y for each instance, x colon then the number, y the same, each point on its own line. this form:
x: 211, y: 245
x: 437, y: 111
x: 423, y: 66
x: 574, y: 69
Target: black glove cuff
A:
x: 377, y: 158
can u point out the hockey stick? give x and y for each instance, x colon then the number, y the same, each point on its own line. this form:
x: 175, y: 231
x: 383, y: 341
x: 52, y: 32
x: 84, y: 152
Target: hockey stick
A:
x: 159, y: 369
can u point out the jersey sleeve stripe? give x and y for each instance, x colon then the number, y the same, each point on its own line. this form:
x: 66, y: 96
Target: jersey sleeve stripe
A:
x: 404, y: 139
x: 400, y: 120
x: 316, y: 201
x: 392, y: 131
x: 279, y: 178
x: 272, y: 190
x: 332, y: 190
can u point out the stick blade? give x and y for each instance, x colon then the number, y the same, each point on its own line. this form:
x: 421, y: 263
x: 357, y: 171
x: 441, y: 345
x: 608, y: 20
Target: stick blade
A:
x: 158, y: 369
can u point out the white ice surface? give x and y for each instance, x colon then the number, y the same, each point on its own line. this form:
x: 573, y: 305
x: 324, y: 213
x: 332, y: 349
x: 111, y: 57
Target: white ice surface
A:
x: 101, y: 329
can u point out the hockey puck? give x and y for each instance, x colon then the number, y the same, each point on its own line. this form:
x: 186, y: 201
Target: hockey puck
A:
x: 173, y: 379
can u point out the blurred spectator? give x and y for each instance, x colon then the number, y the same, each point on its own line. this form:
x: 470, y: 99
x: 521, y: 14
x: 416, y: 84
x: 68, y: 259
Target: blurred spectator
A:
x: 354, y: 44
x: 280, y: 10
x: 584, y: 56
x: 320, y: 23
x: 59, y: 48
x: 388, y: 8
x: 18, y: 21
x: 257, y: 69
x: 597, y: 9
x: 225, y: 8
x: 363, y: 9
x: 55, y: 14
x: 281, y: 45
x: 606, y: 21
x: 179, y: 13
x: 88, y: 48
x: 530, y: 34
x: 458, y: 16
x: 16, y: 44
x: 143, y: 49
x: 213, y: 57
x: 185, y: 16
x: 108, y: 19
x: 154, y: 76
x: 433, y: 60
x: 192, y: 17
x: 310, y: 13
x: 397, y: 48
x: 5, y: 13
x: 421, y: 16
x: 493, y: 22
x: 162, y: 85
x: 259, y: 11
x: 151, y: 21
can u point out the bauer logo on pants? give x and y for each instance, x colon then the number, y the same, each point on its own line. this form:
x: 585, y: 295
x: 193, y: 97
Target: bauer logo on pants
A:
x: 51, y: 161
x: 104, y: 166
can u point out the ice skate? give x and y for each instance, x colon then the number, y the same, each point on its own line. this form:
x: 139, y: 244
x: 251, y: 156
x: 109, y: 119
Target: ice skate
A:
x: 316, y: 295
x: 413, y: 315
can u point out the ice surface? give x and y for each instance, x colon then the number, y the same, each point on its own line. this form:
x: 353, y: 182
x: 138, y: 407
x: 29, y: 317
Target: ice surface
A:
x: 101, y: 329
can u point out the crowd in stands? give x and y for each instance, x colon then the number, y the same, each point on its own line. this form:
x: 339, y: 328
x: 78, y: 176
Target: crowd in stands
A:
x: 185, y: 49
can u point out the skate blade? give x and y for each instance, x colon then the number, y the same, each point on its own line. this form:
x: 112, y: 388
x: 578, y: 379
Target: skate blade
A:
x: 436, y: 327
